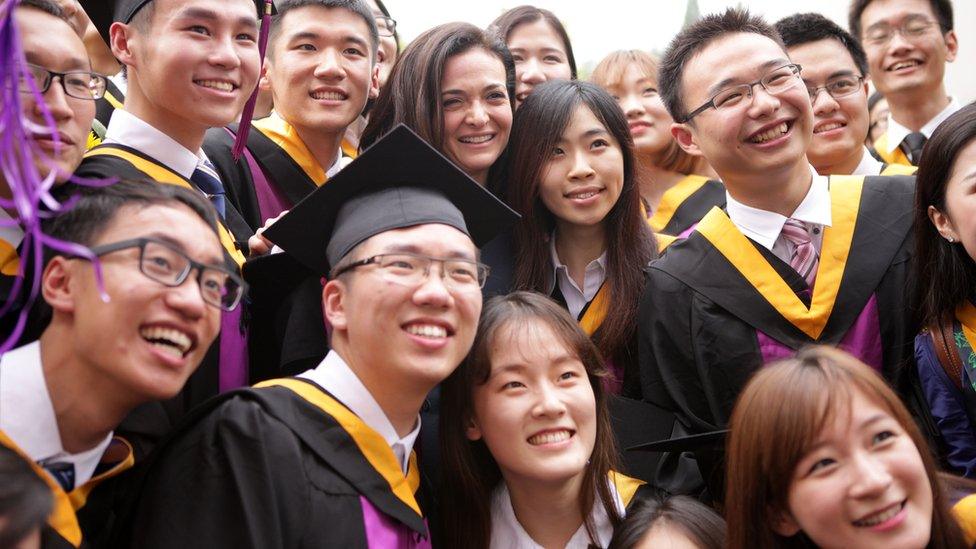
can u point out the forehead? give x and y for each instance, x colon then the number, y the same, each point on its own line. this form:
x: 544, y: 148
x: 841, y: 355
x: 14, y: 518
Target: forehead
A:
x: 535, y: 34
x: 476, y: 65
x: 166, y: 10
x: 737, y: 58
x: 48, y: 40
x: 822, y: 58
x: 175, y: 221
x: 433, y: 239
x: 892, y: 11
x: 327, y: 21
x: 528, y: 341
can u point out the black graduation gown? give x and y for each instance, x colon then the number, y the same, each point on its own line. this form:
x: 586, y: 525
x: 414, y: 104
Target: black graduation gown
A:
x: 700, y: 316
x: 104, y: 107
x: 282, y: 465
x: 686, y: 203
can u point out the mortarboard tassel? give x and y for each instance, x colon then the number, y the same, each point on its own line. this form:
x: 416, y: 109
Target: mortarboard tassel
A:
x: 245, y: 125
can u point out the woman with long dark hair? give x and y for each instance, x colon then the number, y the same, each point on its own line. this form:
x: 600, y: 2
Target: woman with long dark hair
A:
x: 677, y: 188
x: 583, y: 238
x: 945, y: 271
x: 453, y: 86
x: 822, y: 453
x: 528, y: 456
x: 540, y: 47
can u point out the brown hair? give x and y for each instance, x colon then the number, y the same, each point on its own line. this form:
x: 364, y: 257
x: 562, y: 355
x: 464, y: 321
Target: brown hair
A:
x: 610, y: 72
x: 470, y: 474
x: 505, y: 23
x: 790, y: 402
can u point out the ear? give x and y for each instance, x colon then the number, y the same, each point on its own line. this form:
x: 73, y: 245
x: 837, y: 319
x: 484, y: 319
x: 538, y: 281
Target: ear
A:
x: 264, y: 82
x: 334, y: 304
x: 374, y: 82
x: 472, y: 431
x: 120, y: 35
x: 56, y: 285
x: 683, y: 134
x: 952, y: 46
x: 943, y: 224
x: 785, y: 525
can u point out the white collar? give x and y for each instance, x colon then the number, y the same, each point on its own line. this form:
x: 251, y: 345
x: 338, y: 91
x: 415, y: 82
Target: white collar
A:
x: 598, y: 266
x: 27, y: 413
x: 335, y: 376
x: 764, y: 227
x: 507, y: 532
x: 897, y: 133
x: 10, y: 230
x: 127, y: 129
x: 868, y: 165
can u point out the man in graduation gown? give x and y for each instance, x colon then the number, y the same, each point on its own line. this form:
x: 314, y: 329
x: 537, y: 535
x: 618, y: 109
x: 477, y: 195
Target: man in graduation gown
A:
x: 325, y: 459
x: 51, y: 48
x: 321, y: 70
x: 835, y: 71
x: 908, y: 45
x: 795, y: 258
x: 130, y: 335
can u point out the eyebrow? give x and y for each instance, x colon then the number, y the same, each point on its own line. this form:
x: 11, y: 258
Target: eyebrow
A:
x: 732, y: 80
x: 414, y: 249
x: 836, y: 74
x: 494, y: 86
x: 212, y: 15
x: 311, y: 35
x: 74, y: 63
x: 164, y: 237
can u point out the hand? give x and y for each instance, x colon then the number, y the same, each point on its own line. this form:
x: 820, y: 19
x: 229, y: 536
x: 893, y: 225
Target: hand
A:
x: 258, y: 244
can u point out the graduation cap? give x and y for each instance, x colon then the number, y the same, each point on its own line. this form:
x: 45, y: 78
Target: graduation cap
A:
x: 105, y: 12
x: 714, y: 440
x: 401, y: 181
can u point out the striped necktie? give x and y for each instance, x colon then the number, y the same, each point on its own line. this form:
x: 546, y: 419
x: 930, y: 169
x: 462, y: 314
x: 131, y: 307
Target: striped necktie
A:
x: 206, y: 179
x: 805, y: 257
x: 62, y: 471
x: 912, y: 145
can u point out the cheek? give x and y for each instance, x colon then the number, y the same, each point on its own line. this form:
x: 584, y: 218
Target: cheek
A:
x: 502, y: 116
x: 558, y: 72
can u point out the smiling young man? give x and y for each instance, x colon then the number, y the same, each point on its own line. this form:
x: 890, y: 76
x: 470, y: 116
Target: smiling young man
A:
x: 795, y: 258
x: 908, y: 43
x: 321, y: 70
x: 835, y: 73
x: 325, y: 459
x: 132, y: 337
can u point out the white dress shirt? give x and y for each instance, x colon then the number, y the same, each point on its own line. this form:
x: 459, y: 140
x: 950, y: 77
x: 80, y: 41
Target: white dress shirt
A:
x: 127, y: 129
x: 507, y: 532
x: 335, y: 376
x: 27, y: 414
x: 869, y: 165
x: 897, y: 133
x: 593, y: 277
x: 10, y: 230
x: 765, y: 227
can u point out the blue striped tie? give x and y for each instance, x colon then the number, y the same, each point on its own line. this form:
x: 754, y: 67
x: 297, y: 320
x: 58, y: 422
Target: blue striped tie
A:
x: 206, y: 179
x: 62, y: 471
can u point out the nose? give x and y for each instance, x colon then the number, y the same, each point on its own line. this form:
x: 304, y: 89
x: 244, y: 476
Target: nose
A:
x: 477, y: 114
x: 224, y: 52
x: 56, y: 101
x: 531, y: 73
x: 581, y: 169
x: 763, y: 102
x: 871, y: 477
x: 548, y: 402
x: 187, y: 298
x: 898, y: 42
x: 330, y: 66
x: 631, y: 106
x: 824, y: 103
x: 433, y: 292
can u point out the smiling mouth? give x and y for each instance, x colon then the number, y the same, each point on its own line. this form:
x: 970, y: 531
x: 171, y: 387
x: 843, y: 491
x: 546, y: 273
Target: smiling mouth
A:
x: 329, y: 96
x: 550, y: 437
x: 476, y: 139
x: 218, y: 85
x: 772, y: 133
x: 904, y: 65
x: 429, y: 331
x: 881, y: 517
x: 171, y: 341
x: 829, y: 126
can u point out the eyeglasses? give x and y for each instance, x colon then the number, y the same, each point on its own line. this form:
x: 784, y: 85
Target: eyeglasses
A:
x: 162, y: 263
x: 838, y: 87
x: 775, y: 82
x: 411, y: 270
x: 79, y: 84
x: 385, y: 25
x: 911, y: 27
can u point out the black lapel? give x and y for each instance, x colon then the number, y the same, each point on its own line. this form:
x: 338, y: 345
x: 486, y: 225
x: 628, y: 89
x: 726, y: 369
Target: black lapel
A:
x: 694, y: 208
x: 284, y: 172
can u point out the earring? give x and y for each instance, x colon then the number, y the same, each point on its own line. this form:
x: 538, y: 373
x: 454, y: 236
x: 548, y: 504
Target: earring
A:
x: 950, y: 239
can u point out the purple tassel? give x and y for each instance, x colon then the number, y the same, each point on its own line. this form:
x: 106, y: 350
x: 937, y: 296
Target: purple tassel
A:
x: 31, y: 200
x: 245, y: 126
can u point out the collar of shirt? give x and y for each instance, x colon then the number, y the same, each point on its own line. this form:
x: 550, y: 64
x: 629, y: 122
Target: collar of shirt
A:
x: 27, y: 413
x: 10, y: 230
x: 593, y: 277
x: 506, y: 531
x: 285, y: 136
x: 868, y: 165
x: 764, y: 227
x: 127, y: 129
x: 897, y: 133
x: 335, y: 376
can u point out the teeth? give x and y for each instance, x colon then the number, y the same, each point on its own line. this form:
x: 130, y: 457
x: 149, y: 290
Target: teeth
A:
x: 549, y: 438
x: 882, y: 517
x: 216, y: 84
x: 477, y: 139
x: 583, y: 196
x: 771, y: 134
x: 171, y: 340
x: 329, y: 96
x: 828, y: 127
x: 427, y: 330
x: 903, y: 65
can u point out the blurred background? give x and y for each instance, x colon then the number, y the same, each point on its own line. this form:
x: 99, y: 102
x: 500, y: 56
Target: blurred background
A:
x: 599, y: 27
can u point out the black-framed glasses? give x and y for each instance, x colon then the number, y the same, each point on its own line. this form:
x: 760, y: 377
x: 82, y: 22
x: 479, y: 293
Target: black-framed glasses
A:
x: 911, y: 27
x: 78, y: 84
x: 163, y: 263
x: 411, y: 270
x: 385, y: 25
x: 774, y: 82
x: 838, y: 87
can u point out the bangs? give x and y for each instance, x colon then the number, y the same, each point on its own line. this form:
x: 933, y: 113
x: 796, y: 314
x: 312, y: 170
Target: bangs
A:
x: 610, y: 71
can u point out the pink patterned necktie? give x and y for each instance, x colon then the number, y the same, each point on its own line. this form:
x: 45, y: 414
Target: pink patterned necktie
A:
x: 805, y: 258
